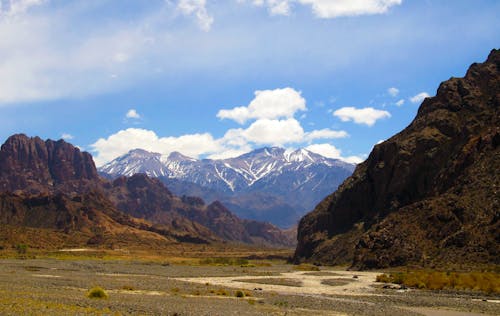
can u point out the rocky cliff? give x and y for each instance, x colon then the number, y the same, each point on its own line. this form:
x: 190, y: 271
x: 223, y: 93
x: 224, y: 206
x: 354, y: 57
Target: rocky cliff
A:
x: 53, y: 185
x: 427, y: 196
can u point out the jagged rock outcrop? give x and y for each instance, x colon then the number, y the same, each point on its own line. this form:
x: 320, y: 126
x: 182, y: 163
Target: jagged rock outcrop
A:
x: 428, y: 195
x: 43, y: 166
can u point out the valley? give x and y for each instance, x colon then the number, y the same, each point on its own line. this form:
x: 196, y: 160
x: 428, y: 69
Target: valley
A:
x: 169, y: 285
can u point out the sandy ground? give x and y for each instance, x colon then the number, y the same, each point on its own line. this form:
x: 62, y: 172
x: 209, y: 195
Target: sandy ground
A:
x: 59, y: 287
x: 358, y: 283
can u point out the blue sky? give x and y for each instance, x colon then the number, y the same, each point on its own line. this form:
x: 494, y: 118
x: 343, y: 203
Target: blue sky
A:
x: 218, y: 78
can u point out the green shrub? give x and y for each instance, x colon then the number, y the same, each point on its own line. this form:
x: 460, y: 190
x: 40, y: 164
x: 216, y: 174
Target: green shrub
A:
x: 240, y: 294
x: 22, y: 249
x: 97, y: 292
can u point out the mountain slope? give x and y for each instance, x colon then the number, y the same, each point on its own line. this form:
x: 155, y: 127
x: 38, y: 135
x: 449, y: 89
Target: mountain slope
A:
x: 428, y: 195
x: 52, y: 185
x: 269, y: 184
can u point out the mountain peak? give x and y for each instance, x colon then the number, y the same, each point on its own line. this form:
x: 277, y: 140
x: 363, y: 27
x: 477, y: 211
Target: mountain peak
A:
x: 420, y: 195
x: 177, y: 156
x: 139, y: 152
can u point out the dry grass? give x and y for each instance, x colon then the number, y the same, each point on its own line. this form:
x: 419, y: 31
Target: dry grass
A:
x: 306, y: 267
x: 488, y: 282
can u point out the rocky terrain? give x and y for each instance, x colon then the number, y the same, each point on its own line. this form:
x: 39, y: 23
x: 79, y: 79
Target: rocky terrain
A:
x: 268, y: 184
x: 427, y: 196
x: 60, y: 287
x: 53, y: 186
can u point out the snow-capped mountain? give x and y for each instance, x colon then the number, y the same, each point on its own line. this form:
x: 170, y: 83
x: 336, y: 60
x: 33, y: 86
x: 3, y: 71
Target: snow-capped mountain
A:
x: 294, y: 180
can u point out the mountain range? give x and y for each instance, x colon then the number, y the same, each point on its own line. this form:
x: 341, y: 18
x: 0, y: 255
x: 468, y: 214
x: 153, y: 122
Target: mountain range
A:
x: 428, y: 196
x: 268, y: 184
x: 52, y: 189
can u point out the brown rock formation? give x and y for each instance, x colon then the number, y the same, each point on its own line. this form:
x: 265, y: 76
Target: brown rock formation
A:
x: 428, y: 195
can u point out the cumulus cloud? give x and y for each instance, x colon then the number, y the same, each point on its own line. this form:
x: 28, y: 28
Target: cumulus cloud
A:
x: 267, y: 104
x: 419, y: 97
x: 123, y: 141
x: 367, y: 116
x: 328, y: 9
x: 67, y: 136
x: 400, y: 102
x: 326, y: 150
x: 198, y: 9
x: 331, y: 151
x: 393, y: 92
x: 273, y: 124
x: 132, y: 114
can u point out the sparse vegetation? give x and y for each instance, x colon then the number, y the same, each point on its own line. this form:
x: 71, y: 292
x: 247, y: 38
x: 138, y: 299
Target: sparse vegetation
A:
x: 488, y: 282
x: 336, y: 282
x: 306, y: 267
x: 97, y: 292
x: 22, y: 249
x: 127, y: 288
x: 225, y: 261
x: 239, y: 293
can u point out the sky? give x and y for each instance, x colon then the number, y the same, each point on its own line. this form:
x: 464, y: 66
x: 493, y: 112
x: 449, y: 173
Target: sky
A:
x: 215, y: 79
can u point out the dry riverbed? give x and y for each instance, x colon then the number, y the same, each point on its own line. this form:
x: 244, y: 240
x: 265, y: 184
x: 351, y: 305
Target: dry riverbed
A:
x: 59, y: 287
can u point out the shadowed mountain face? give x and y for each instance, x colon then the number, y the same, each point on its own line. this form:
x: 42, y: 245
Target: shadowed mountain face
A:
x: 52, y: 185
x: 267, y: 184
x: 428, y: 195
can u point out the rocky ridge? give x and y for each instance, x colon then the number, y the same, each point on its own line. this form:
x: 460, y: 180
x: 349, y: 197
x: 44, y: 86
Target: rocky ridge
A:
x: 428, y: 195
x: 53, y: 185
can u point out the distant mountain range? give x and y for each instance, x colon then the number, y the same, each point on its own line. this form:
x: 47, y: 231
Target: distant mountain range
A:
x: 267, y: 184
x: 52, y: 189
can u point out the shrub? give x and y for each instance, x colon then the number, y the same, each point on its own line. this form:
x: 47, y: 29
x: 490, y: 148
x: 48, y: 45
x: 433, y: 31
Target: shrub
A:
x: 240, y: 294
x: 97, y: 292
x: 488, y: 282
x: 21, y: 248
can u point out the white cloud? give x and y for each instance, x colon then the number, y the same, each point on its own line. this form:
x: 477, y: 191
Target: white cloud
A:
x: 419, y: 97
x: 15, y: 7
x: 199, y: 10
x: 325, y: 134
x: 279, y: 7
x: 67, y: 136
x: 326, y: 150
x: 367, y: 116
x: 331, y: 151
x: 327, y: 9
x: 336, y: 8
x: 267, y: 104
x: 132, y: 114
x: 393, y: 92
x: 400, y: 102
x: 123, y: 141
x: 274, y: 132
x: 354, y: 159
x: 273, y: 124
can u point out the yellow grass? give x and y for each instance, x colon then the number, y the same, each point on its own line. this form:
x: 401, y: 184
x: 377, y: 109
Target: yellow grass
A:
x: 488, y: 282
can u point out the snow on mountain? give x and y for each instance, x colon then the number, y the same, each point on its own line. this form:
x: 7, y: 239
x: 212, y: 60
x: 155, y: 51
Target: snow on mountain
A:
x: 233, y: 174
x: 267, y: 184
